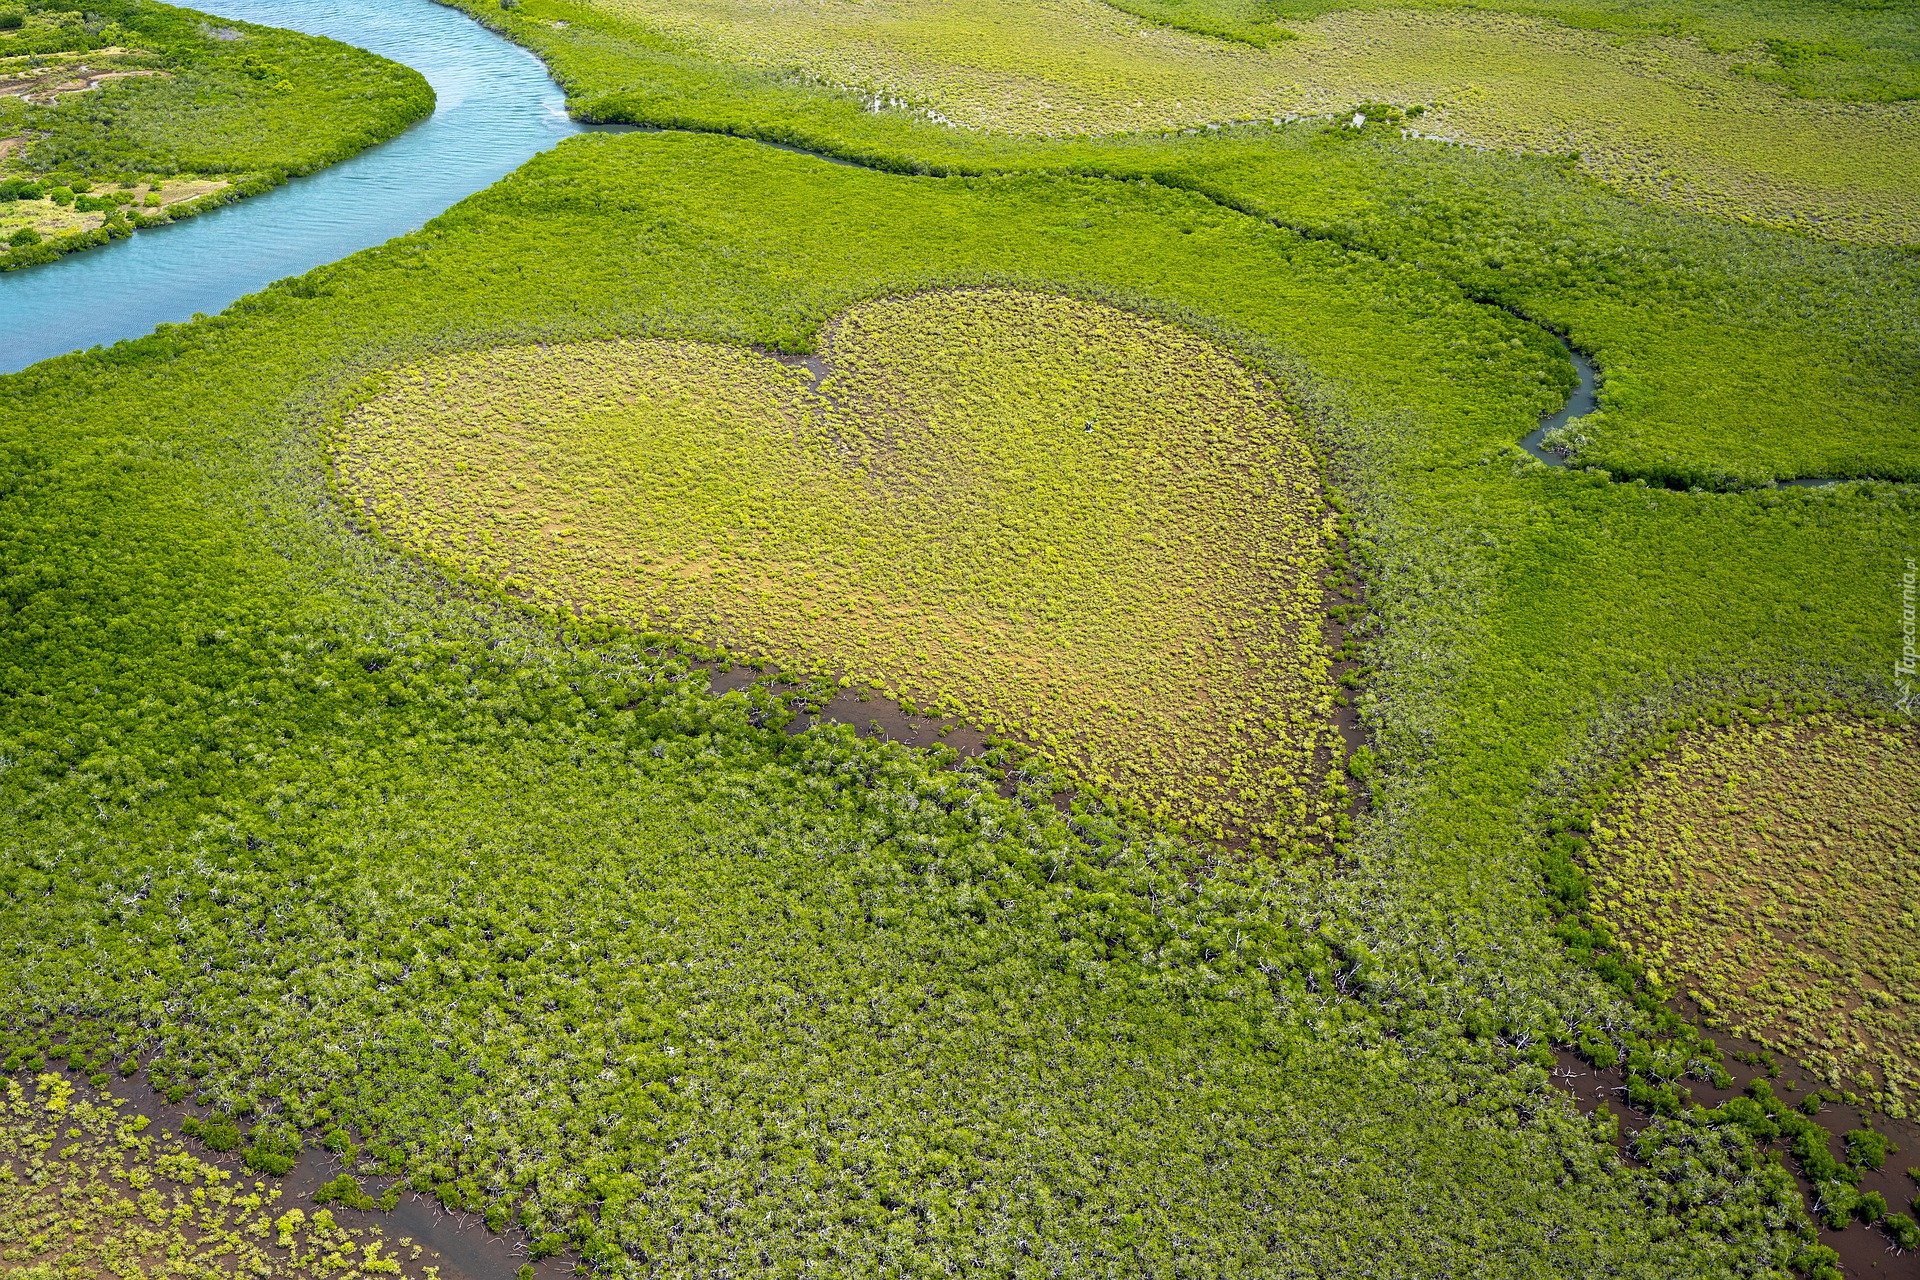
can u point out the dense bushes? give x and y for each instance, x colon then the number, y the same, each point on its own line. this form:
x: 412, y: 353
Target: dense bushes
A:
x: 325, y: 843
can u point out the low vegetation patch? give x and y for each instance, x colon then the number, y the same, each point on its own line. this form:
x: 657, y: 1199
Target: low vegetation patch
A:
x: 1772, y: 872
x: 1086, y: 528
x: 44, y: 211
x: 1668, y: 117
x: 88, y: 1189
x: 1837, y: 49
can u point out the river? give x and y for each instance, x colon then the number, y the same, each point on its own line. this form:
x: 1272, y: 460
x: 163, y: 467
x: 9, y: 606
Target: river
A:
x: 495, y: 108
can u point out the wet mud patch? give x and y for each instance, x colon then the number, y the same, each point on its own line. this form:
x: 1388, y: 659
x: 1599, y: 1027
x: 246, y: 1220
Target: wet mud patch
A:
x: 1865, y: 1250
x: 1759, y: 877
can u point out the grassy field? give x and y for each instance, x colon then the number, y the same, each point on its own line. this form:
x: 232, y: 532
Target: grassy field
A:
x: 1664, y: 117
x: 354, y: 793
x: 1769, y: 872
x: 1841, y: 49
x: 135, y: 113
x: 1732, y: 355
x: 1061, y: 521
x: 606, y: 954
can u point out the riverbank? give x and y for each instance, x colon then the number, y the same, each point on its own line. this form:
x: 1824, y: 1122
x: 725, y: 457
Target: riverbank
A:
x: 494, y: 106
x: 142, y: 95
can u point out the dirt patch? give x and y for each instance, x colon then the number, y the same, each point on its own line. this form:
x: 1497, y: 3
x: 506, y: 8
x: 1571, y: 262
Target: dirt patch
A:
x: 457, y: 1244
x: 45, y: 85
x: 1864, y: 1251
x: 180, y: 190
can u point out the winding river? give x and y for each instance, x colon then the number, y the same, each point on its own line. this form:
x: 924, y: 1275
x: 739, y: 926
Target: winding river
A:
x: 495, y: 108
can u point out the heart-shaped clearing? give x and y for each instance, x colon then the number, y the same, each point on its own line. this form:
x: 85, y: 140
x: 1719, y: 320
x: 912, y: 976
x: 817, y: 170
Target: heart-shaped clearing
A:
x: 1091, y: 529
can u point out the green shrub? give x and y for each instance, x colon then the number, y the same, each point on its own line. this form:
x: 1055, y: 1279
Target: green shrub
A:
x: 1362, y: 763
x: 216, y: 1133
x: 1836, y: 1203
x: 272, y: 1150
x: 1868, y: 1148
x: 343, y: 1190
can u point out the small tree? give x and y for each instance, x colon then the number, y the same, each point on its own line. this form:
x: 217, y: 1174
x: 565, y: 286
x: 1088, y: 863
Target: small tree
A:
x: 1868, y: 1148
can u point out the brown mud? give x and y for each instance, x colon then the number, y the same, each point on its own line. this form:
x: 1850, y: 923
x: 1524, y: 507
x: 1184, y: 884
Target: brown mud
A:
x: 874, y: 715
x: 1345, y: 590
x: 1865, y: 1251
x: 457, y: 1243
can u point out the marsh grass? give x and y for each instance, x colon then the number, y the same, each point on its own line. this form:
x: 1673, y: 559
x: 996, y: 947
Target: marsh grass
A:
x: 1664, y: 116
x: 88, y: 1188
x: 1072, y: 524
x: 1772, y: 872
x: 1814, y: 48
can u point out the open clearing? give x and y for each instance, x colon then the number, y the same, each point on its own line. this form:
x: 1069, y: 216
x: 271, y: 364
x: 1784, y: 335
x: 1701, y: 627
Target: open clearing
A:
x: 1773, y: 872
x: 1072, y: 524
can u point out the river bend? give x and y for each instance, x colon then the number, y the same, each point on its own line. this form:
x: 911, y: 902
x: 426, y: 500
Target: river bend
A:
x: 495, y: 108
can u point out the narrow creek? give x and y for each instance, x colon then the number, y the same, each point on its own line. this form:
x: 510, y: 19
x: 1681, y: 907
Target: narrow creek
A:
x: 1585, y: 398
x: 1582, y: 400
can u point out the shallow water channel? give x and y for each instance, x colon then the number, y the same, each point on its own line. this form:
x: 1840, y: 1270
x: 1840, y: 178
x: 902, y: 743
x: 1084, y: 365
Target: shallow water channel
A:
x: 495, y: 108
x: 1580, y: 402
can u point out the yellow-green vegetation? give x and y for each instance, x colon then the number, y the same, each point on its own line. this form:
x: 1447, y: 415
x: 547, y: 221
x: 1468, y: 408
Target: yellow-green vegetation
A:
x: 1089, y: 528
x: 88, y: 1189
x: 1665, y: 116
x: 67, y: 211
x: 1840, y: 49
x: 1773, y: 871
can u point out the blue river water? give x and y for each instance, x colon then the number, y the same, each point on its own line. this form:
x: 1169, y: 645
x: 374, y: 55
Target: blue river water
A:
x: 496, y: 108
